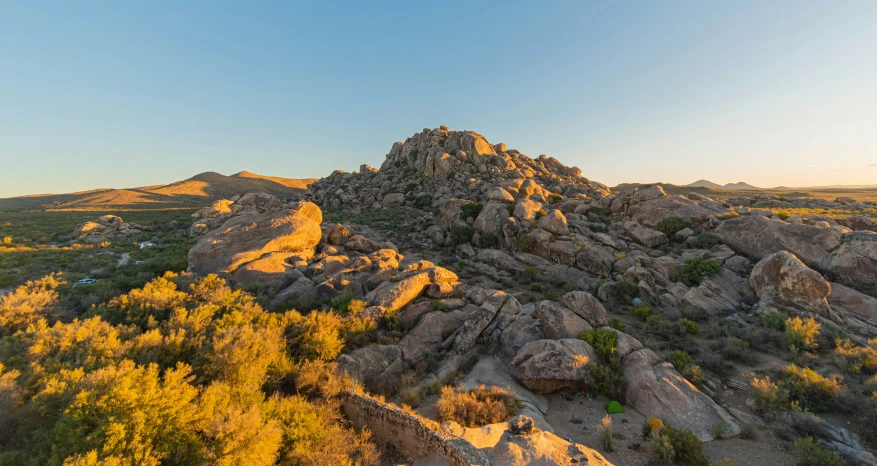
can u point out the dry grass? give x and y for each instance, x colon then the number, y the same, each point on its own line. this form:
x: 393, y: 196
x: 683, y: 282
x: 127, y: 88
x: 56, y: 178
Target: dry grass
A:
x: 479, y: 407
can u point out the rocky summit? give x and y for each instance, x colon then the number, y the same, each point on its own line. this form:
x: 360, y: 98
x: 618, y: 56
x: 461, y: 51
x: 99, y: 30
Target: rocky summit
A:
x: 492, y: 268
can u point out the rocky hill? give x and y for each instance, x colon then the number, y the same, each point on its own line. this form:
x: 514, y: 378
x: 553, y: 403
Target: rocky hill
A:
x: 196, y: 191
x: 480, y: 265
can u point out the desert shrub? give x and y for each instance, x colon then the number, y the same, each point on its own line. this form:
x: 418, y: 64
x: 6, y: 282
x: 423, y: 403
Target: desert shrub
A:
x: 809, y: 389
x: 489, y: 240
x: 684, y: 363
x: 802, y: 333
x: 732, y: 348
x: 689, y: 326
x: 319, y: 336
x: 535, y: 287
x: 853, y: 358
x: 551, y: 294
x: 462, y: 234
x: 705, y: 241
x: 410, y: 188
x: 476, y: 408
x: 616, y: 324
x: 606, y: 433
x: 623, y: 289
x: 721, y: 430
x: 7, y: 240
x: 392, y: 321
x: 774, y: 321
x: 809, y: 453
x: 527, y: 244
x: 554, y: 198
x: 422, y: 202
x: 642, y: 310
x: 695, y: 270
x: 608, y: 376
x: 604, y: 342
x: 570, y: 287
x: 678, y: 447
x: 767, y: 394
x: 671, y: 225
x: 783, y: 215
x: 471, y: 210
x: 30, y: 303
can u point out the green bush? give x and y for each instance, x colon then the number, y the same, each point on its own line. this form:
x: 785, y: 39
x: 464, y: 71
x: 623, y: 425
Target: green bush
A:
x: 671, y: 225
x: 489, y: 240
x: 809, y: 389
x: 422, y: 202
x: 689, y: 326
x: 462, y: 234
x: 705, y: 241
x: 678, y: 447
x: 783, y: 215
x: 604, y: 342
x: 526, y: 244
x: 774, y: 321
x: 410, y: 187
x: 642, y: 310
x: 471, y: 209
x: 684, y: 363
x: 570, y: 287
x: 555, y: 198
x: 624, y: 289
x: 696, y: 270
x: 809, y: 453
x: 616, y: 324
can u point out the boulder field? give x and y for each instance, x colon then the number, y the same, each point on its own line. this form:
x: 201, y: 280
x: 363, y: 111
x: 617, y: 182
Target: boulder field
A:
x: 503, y: 216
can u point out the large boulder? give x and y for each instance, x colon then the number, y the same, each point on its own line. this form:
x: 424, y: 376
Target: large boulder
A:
x: 721, y: 292
x: 274, y: 269
x: 597, y: 259
x: 491, y: 217
x: 858, y: 310
x: 247, y: 238
x: 393, y: 296
x: 526, y: 210
x: 559, y: 322
x: 368, y: 363
x: 643, y: 235
x: 652, y: 211
x: 845, y: 256
x: 430, y: 331
x: 782, y: 277
x: 519, y: 443
x: 546, y: 366
x: 554, y: 222
x: 586, y: 306
x: 656, y: 389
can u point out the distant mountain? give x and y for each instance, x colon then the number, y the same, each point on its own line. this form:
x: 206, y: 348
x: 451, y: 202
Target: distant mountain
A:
x: 199, y: 190
x: 704, y: 184
x: 740, y: 185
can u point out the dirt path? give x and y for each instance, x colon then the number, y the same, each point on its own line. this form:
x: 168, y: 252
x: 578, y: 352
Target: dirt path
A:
x: 124, y: 259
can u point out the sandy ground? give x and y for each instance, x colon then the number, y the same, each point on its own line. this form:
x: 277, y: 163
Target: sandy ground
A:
x: 569, y: 418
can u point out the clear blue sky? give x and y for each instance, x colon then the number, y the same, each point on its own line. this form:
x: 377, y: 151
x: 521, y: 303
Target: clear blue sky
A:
x: 123, y: 94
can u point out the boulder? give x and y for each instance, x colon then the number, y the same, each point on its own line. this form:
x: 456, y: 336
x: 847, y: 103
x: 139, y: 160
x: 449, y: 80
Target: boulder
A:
x: 431, y: 330
x: 781, y: 276
x: 554, y: 222
x: 246, y: 238
x: 392, y: 200
x: 586, y: 306
x: 270, y: 270
x: 338, y: 235
x: 653, y: 211
x: 499, y: 195
x: 522, y: 444
x: 643, y: 235
x: 559, y: 322
x: 721, y: 292
x: 368, y: 363
x: 546, y: 366
x: 491, y: 217
x: 596, y: 259
x: 656, y: 389
x: 858, y: 310
x: 526, y: 210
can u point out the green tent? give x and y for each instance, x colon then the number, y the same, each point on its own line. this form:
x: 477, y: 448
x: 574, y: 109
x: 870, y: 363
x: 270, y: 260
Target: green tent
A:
x: 614, y: 407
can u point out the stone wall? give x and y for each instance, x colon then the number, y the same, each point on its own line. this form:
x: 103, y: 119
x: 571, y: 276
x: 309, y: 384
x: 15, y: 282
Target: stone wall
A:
x: 413, y: 435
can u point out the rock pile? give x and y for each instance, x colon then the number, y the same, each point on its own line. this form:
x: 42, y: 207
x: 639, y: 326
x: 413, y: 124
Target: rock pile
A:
x: 106, y: 228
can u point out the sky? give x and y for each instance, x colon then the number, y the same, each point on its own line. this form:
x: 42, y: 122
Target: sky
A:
x: 126, y: 94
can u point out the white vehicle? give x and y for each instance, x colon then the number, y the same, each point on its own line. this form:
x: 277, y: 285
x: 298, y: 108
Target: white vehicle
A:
x: 138, y: 262
x: 85, y: 281
x: 147, y: 244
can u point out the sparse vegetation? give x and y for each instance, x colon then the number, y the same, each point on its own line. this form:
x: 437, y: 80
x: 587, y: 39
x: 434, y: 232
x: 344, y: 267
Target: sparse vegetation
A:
x: 478, y: 407
x: 678, y: 447
x: 462, y: 234
x: 470, y: 210
x: 705, y: 241
x: 694, y: 271
x: 671, y: 225
x: 809, y: 453
x: 801, y: 334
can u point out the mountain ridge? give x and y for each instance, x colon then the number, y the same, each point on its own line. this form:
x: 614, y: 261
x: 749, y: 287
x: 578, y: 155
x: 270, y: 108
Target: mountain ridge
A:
x: 195, y: 191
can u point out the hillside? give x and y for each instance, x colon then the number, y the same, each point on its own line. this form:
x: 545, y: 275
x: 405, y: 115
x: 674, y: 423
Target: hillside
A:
x: 195, y: 191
